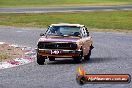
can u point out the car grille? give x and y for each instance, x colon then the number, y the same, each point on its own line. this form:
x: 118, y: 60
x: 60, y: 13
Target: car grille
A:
x: 45, y: 45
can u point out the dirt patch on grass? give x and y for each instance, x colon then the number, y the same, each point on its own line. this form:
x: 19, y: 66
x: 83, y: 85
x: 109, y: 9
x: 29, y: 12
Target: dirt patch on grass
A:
x: 8, y: 52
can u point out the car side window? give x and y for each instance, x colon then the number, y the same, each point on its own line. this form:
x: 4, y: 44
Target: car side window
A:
x: 81, y: 32
x: 84, y: 32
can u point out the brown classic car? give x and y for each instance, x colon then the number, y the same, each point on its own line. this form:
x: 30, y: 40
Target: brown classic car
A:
x: 64, y: 40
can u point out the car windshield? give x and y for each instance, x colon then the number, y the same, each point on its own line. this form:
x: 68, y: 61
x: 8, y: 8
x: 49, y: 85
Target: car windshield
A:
x: 63, y: 31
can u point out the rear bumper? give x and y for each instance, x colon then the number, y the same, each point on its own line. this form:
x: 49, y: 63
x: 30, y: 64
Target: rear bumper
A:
x: 58, y: 53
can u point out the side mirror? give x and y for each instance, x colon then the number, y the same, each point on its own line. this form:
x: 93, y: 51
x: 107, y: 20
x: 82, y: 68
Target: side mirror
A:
x: 42, y: 34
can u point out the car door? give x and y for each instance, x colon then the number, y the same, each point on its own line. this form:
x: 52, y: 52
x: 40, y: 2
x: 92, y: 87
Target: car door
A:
x: 86, y: 41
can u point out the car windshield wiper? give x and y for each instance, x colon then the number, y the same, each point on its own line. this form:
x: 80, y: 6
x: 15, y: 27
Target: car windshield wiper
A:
x: 70, y: 35
x: 66, y: 35
x: 54, y: 35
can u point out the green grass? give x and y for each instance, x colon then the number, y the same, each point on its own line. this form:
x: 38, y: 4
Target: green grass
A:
x: 41, y: 3
x: 121, y: 20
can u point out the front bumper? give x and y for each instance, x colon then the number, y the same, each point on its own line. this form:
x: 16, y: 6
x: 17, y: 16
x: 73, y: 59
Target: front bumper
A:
x: 58, y: 53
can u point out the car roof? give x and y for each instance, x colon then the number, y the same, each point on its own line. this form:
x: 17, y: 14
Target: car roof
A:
x: 67, y: 24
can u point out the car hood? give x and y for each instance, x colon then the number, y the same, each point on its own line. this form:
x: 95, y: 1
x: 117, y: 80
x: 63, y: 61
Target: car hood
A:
x: 58, y: 39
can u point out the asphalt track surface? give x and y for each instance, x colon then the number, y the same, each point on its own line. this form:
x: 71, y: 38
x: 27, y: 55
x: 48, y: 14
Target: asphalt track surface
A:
x: 64, y: 9
x: 112, y: 55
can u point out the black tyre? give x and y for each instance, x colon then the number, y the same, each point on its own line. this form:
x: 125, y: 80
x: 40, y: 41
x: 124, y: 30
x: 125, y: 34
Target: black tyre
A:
x: 81, y: 80
x: 79, y: 58
x: 40, y: 59
x: 51, y: 58
x: 87, y: 57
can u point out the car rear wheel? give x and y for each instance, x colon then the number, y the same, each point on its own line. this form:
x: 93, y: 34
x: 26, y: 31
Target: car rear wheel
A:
x: 78, y: 59
x: 51, y: 58
x: 40, y: 59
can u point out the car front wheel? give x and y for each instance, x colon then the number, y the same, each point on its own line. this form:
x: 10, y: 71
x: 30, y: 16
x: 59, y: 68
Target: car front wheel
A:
x: 78, y: 59
x: 40, y: 59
